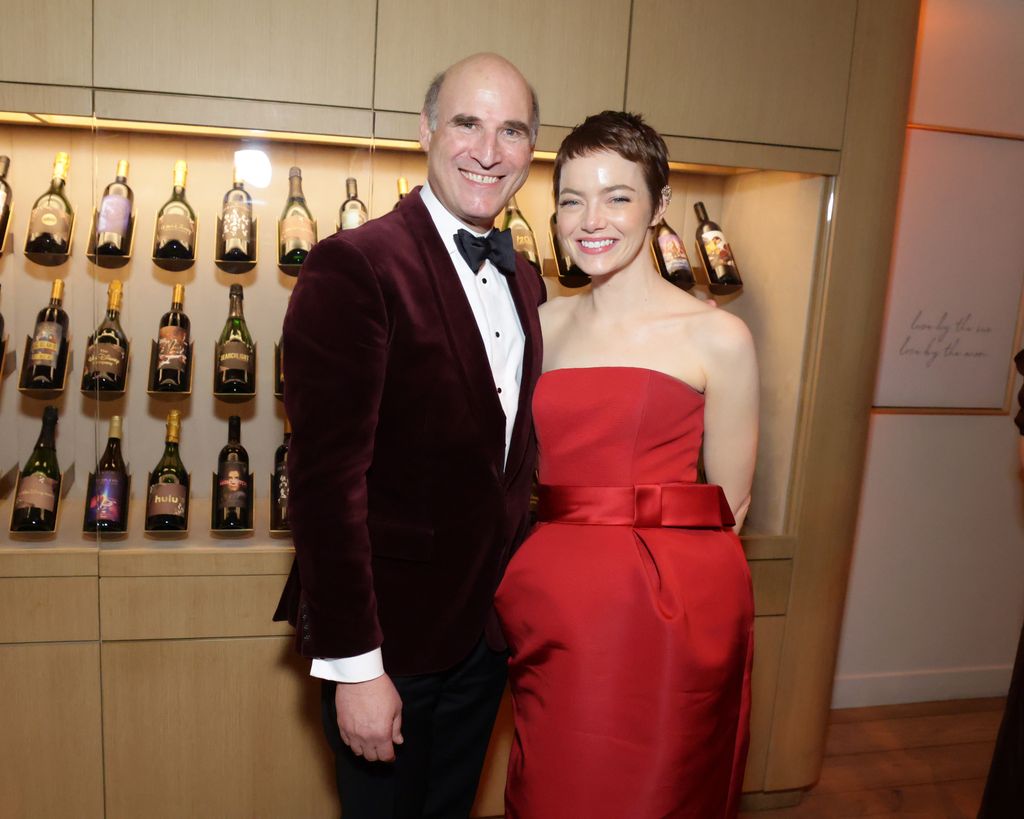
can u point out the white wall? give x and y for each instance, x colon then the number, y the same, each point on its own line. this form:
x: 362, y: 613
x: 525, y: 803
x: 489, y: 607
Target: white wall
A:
x: 936, y: 593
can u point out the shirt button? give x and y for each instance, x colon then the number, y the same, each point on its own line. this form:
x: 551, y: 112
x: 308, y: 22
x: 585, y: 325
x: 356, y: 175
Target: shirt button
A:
x: 483, y: 281
x: 499, y: 389
x: 497, y: 334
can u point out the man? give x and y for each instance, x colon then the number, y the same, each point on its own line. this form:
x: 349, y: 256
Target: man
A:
x: 413, y: 347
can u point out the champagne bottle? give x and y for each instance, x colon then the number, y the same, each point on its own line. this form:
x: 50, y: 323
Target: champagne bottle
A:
x: 236, y: 354
x: 236, y: 223
x: 353, y: 211
x: 233, y: 509
x: 522, y: 234
x: 173, y: 346
x: 167, y: 498
x: 568, y: 274
x: 176, y: 221
x: 115, y: 214
x: 5, y: 198
x: 49, y: 229
x: 107, y: 505
x: 403, y: 190
x: 715, y: 253
x: 298, y: 231
x: 106, y: 360
x: 279, y: 494
x: 671, y: 258
x: 48, y: 337
x: 35, y: 505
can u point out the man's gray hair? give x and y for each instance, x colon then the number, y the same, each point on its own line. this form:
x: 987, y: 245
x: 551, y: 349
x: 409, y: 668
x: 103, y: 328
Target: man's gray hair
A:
x: 434, y: 91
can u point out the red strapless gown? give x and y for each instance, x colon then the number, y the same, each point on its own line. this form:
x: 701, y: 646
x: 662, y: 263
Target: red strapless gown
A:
x: 628, y: 611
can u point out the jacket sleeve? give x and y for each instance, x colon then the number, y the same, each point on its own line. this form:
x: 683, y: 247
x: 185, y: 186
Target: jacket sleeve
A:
x: 335, y: 354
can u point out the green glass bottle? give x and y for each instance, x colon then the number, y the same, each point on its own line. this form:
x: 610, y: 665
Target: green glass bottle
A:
x: 106, y: 359
x: 49, y: 229
x: 35, y: 505
x: 176, y: 221
x: 522, y: 234
x: 298, y: 230
x: 236, y: 353
x: 167, y: 501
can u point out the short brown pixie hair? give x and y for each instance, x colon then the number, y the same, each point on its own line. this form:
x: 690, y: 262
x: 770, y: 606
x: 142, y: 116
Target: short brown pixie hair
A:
x: 624, y: 134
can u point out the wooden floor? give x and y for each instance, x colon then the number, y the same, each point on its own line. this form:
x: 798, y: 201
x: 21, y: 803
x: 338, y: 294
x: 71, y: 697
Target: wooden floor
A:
x: 925, y: 760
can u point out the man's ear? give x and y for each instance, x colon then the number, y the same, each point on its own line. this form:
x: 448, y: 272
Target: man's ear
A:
x: 425, y: 132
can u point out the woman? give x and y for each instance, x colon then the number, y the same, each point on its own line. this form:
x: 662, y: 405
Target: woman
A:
x: 629, y: 610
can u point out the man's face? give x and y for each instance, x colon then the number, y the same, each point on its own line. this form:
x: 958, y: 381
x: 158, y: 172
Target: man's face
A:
x: 480, y: 154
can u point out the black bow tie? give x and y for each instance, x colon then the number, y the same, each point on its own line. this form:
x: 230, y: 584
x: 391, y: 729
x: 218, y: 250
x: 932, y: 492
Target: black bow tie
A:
x: 496, y: 246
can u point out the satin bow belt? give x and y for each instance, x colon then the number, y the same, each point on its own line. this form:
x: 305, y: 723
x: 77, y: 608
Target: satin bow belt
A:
x: 682, y: 505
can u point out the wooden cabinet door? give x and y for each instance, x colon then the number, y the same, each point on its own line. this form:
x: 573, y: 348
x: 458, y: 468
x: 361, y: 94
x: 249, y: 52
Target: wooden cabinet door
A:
x: 574, y: 73
x: 47, y: 43
x: 303, y: 51
x: 745, y: 70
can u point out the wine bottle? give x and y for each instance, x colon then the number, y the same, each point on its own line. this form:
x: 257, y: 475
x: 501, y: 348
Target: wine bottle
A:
x: 5, y: 198
x: 233, y: 509
x: 298, y: 231
x: 106, y: 360
x: 48, y: 337
x: 236, y: 354
x: 173, y: 346
x: 279, y: 499
x: 403, y: 190
x: 106, y: 506
x: 49, y: 229
x: 353, y: 211
x: 176, y: 221
x: 522, y: 234
x: 236, y: 223
x: 670, y: 255
x: 167, y: 498
x: 568, y: 274
x: 115, y: 215
x: 35, y: 505
x: 715, y: 253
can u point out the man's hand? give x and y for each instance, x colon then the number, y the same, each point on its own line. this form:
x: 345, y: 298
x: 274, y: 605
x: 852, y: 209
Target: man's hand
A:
x: 370, y: 718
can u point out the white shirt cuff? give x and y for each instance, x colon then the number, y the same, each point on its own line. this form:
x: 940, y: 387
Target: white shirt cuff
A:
x: 361, y: 668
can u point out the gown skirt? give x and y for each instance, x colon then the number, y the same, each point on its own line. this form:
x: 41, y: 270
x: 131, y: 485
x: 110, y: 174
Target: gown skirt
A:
x: 628, y: 611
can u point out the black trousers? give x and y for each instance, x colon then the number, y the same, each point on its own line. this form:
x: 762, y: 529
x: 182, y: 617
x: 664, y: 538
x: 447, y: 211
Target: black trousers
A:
x: 446, y: 724
x: 1004, y: 790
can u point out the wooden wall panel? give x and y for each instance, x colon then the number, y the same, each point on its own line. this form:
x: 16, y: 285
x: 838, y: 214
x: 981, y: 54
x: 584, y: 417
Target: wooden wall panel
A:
x: 50, y: 746
x: 48, y: 609
x: 48, y: 43
x: 743, y: 70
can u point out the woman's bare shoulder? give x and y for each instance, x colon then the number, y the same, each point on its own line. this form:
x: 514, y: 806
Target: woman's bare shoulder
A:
x: 719, y: 332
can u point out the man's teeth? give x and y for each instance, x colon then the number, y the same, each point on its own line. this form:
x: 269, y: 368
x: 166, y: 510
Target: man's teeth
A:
x: 595, y: 245
x: 483, y: 180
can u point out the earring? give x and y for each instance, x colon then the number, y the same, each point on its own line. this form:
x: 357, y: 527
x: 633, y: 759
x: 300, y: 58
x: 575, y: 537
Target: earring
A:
x: 666, y: 194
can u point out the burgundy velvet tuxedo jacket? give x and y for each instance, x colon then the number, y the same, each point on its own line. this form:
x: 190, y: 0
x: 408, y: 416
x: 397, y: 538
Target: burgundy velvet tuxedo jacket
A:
x: 402, y: 513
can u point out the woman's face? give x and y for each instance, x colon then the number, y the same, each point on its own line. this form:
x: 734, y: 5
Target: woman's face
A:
x: 604, y: 212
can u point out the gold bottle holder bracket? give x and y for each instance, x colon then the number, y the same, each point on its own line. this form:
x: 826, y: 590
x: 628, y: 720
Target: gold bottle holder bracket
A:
x: 105, y: 394
x: 102, y: 259
x: 8, y: 358
x: 278, y: 372
x: 64, y: 364
x: 292, y: 269
x: 93, y: 531
x: 52, y: 259
x: 230, y: 533
x: 276, y: 532
x: 169, y: 534
x: 64, y: 484
x: 177, y: 265
x: 238, y: 268
x: 234, y: 397
x: 5, y: 232
x: 154, y: 357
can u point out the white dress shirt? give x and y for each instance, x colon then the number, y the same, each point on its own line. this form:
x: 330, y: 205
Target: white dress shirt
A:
x: 502, y: 334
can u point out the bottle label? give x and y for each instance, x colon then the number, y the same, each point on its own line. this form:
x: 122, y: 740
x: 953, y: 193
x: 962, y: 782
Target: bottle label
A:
x: 232, y: 485
x: 105, y: 360
x: 115, y: 212
x: 175, y: 227
x: 37, y: 490
x: 234, y: 356
x: 718, y: 250
x: 235, y: 224
x: 107, y: 501
x: 352, y: 218
x: 167, y: 499
x: 674, y: 254
x: 46, y: 219
x: 281, y: 489
x: 172, y: 349
x: 297, y: 232
x: 45, y: 349
x: 522, y: 241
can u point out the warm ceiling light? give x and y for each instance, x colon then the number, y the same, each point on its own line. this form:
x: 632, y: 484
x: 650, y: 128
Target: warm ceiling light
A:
x: 17, y: 116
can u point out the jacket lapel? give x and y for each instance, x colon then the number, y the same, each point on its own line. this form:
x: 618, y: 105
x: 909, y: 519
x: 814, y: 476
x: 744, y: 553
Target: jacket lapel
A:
x: 459, y: 324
